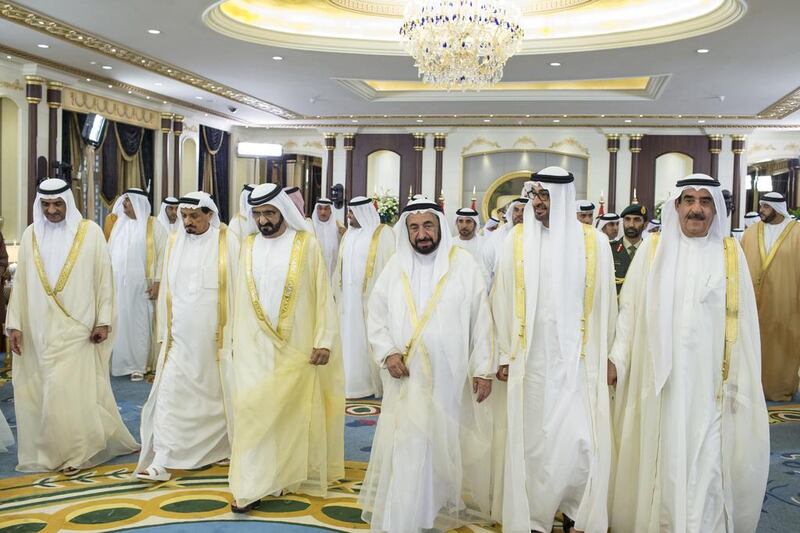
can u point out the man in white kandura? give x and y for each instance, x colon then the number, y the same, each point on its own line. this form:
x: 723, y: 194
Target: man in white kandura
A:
x: 168, y: 214
x: 186, y: 421
x: 238, y: 225
x: 609, y: 225
x: 554, y: 305
x: 494, y: 245
x: 366, y: 247
x: 60, y: 326
x: 584, y: 210
x: 328, y: 232
x: 288, y: 405
x: 468, y: 236
x: 427, y: 328
x: 690, y: 417
x: 137, y: 250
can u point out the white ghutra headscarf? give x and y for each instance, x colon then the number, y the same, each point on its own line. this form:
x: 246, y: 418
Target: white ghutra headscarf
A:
x: 55, y: 239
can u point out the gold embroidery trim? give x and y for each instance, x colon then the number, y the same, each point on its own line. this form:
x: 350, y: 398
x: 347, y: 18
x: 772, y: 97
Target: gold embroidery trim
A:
x: 419, y: 324
x: 222, y: 299
x: 172, y: 238
x: 519, y: 284
x: 150, y: 252
x: 66, y: 270
x: 590, y: 246
x: 731, y: 303
x: 373, y: 252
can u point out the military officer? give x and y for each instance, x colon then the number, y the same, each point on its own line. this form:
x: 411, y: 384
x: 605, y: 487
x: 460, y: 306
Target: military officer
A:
x: 634, y: 220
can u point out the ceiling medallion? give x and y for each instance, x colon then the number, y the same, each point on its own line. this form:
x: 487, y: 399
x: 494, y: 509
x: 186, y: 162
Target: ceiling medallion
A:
x: 461, y: 44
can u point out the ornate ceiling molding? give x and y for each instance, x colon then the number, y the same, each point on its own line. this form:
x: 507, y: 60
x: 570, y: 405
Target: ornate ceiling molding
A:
x: 15, y: 85
x: 134, y: 90
x: 74, y: 100
x: 783, y: 107
x: 34, y: 20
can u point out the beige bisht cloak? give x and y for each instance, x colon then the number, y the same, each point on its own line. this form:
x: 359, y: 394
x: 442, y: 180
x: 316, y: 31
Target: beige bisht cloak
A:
x: 289, y: 413
x: 66, y: 413
x: 776, y: 277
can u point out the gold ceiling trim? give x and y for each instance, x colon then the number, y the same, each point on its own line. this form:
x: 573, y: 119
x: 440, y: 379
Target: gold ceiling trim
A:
x: 601, y: 84
x: 783, y: 107
x: 34, y: 20
x: 395, y: 8
x: 13, y: 85
x: 83, y: 102
x: 350, y: 126
x: 134, y: 90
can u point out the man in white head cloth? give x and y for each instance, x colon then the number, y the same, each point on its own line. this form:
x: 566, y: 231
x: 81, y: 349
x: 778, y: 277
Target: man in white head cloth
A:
x: 238, y: 225
x: 288, y: 405
x: 428, y: 330
x: 493, y: 247
x: 491, y: 225
x: 137, y: 251
x: 366, y: 247
x: 168, y: 214
x: 186, y: 420
x: 554, y: 305
x: 328, y: 232
x: 609, y: 225
x: 60, y: 327
x: 468, y: 235
x: 751, y: 218
x: 772, y: 248
x: 690, y: 418
x: 584, y: 210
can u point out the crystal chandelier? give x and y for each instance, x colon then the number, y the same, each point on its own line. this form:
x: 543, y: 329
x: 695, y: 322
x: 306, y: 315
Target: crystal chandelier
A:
x: 461, y: 44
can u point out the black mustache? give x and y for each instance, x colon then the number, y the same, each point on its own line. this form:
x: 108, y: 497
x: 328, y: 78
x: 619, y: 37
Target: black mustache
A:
x: 695, y: 216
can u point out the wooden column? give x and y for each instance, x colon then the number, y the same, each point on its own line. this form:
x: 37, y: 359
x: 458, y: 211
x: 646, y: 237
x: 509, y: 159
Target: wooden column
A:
x: 177, y: 130
x: 54, y: 103
x: 166, y: 127
x: 791, y: 193
x: 715, y: 147
x: 737, y: 147
x: 636, y: 149
x: 330, y: 146
x: 438, y: 146
x: 612, y: 144
x: 419, y: 146
x: 349, y: 144
x: 33, y: 94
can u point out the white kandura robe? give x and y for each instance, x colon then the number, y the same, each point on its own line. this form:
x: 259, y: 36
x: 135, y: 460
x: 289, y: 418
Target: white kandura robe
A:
x: 65, y: 409
x: 238, y: 226
x: 772, y: 232
x: 689, y: 461
x: 135, y: 309
x: 558, y: 450
x: 362, y: 378
x: 474, y: 246
x: 185, y: 422
x: 428, y: 465
x: 492, y: 250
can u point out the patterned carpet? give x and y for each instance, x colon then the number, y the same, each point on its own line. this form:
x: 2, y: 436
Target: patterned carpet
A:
x: 108, y: 498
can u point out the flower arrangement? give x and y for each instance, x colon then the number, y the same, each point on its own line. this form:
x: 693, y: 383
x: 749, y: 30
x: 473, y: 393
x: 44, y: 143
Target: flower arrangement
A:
x: 388, y: 209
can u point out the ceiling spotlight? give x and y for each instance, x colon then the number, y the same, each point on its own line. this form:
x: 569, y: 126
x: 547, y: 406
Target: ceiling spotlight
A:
x: 106, y: 67
x: 110, y: 86
x: 158, y: 84
x: 206, y: 114
x: 164, y: 101
x: 92, y: 62
x: 556, y: 120
x: 419, y: 120
x: 491, y: 116
x: 277, y: 58
x: 701, y: 121
x: 385, y: 116
x: 130, y: 92
x: 680, y: 116
x: 8, y: 57
x: 486, y: 120
x: 555, y: 64
x: 113, y: 50
x: 455, y: 116
x: 43, y: 45
x: 198, y: 97
x: 565, y: 116
x: 147, y: 97
x: 527, y: 116
x: 354, y: 121
x: 703, y: 50
x: 627, y: 121
x: 641, y: 116
x: 169, y: 70
x: 144, y: 61
x: 88, y: 79
x: 719, y: 116
x: 602, y: 116
x: 154, y: 32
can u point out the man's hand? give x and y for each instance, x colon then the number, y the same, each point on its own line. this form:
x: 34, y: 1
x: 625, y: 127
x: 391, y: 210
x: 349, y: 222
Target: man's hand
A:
x: 502, y: 373
x: 320, y: 356
x: 152, y: 291
x: 15, y: 341
x: 612, y: 374
x: 482, y: 387
x: 99, y: 334
x: 396, y: 367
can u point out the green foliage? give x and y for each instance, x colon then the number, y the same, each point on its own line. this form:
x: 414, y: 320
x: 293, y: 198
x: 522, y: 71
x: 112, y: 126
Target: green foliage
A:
x: 388, y: 209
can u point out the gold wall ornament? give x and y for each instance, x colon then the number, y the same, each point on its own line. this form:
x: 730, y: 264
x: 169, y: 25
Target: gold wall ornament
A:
x: 52, y: 27
x: 793, y: 147
x: 15, y: 85
x: 526, y: 141
x: 74, y: 100
x: 479, y: 141
x: 288, y: 146
x: 570, y: 142
x: 316, y: 145
x: 762, y: 148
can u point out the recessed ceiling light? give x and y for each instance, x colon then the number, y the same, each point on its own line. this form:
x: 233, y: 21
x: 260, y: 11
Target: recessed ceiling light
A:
x: 8, y: 57
x: 354, y: 121
x: 113, y: 49
x: 491, y: 116
x: 130, y: 92
x: 277, y: 58
x: 719, y: 116
x: 641, y: 116
x: 701, y: 121
x: 556, y: 120
x: 455, y: 116
x: 206, y: 114
x: 43, y: 45
x: 527, y: 116
x: 555, y: 64
x: 486, y: 120
x: 92, y: 62
x: 419, y: 120
x: 198, y: 97
x: 385, y: 116
x: 164, y: 101
x: 565, y: 116
x: 169, y: 70
x: 110, y: 86
x: 703, y: 50
x: 106, y: 67
x: 147, y: 97
x: 88, y: 79
x: 627, y: 121
x: 154, y: 32
x: 158, y: 84
x: 680, y: 116
x: 602, y: 116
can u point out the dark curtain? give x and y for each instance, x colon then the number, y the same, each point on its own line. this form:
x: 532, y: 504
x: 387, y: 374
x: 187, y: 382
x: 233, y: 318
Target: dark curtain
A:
x: 213, y: 172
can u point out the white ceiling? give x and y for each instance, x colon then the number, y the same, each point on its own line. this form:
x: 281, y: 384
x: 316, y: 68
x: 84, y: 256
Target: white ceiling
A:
x: 752, y: 64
